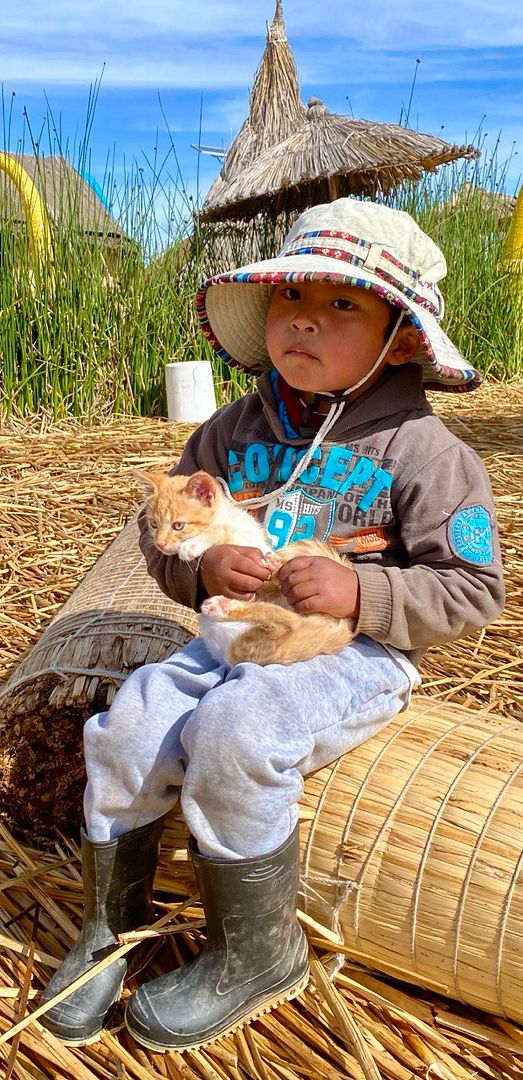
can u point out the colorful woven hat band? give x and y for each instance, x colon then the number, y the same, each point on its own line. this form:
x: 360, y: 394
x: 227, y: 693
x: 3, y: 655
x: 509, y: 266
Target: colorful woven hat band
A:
x: 374, y: 258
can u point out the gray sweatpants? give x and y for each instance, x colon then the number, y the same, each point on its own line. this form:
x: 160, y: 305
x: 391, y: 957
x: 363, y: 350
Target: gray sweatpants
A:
x: 237, y: 741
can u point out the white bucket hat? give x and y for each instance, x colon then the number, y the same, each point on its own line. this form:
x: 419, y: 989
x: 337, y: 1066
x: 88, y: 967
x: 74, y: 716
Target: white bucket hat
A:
x: 365, y: 244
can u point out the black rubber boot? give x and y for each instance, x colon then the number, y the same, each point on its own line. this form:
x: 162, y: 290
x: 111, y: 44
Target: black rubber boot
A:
x: 255, y: 956
x: 118, y: 879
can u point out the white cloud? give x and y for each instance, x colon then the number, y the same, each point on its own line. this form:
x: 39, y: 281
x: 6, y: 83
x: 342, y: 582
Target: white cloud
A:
x: 394, y: 24
x: 398, y: 25
x: 362, y: 55
x: 151, y: 64
x: 165, y: 43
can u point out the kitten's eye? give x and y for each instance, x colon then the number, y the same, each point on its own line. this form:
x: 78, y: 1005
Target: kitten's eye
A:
x: 178, y: 525
x: 153, y: 523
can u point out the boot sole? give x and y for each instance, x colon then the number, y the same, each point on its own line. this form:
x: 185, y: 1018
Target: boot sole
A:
x: 260, y: 1010
x: 79, y: 1042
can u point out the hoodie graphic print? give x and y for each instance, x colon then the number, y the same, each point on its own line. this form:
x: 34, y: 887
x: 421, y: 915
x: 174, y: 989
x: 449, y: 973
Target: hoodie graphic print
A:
x: 344, y: 490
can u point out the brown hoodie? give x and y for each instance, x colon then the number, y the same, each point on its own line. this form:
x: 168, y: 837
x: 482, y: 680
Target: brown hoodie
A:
x: 391, y: 486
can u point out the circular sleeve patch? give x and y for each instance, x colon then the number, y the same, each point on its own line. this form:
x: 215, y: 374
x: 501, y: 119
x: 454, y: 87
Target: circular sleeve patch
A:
x: 470, y: 535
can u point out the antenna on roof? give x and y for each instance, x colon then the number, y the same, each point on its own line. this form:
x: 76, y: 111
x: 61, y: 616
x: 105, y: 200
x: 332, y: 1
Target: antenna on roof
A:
x: 213, y: 151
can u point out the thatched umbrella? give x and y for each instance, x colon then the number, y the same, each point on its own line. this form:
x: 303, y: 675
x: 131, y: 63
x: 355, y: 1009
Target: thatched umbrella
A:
x: 320, y: 156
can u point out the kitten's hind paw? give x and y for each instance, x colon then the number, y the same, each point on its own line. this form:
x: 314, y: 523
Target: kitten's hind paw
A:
x: 217, y: 607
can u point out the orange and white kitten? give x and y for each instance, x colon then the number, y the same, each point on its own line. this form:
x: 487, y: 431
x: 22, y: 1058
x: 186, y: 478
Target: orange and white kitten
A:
x: 189, y: 514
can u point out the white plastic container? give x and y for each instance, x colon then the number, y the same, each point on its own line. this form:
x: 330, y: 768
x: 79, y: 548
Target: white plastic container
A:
x: 190, y: 391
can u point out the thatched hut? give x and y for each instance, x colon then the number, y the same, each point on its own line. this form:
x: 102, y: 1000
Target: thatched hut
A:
x: 494, y: 203
x: 72, y: 204
x: 290, y: 156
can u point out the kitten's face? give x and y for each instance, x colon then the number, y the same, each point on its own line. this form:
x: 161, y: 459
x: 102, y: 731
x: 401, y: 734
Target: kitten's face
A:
x: 178, y: 507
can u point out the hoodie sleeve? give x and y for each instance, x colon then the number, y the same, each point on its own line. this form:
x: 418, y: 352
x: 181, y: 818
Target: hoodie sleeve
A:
x: 453, y: 582
x: 205, y: 449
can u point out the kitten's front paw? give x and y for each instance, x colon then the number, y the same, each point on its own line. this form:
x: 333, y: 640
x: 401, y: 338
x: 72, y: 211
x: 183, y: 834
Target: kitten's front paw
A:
x: 217, y: 607
x: 271, y: 561
x: 192, y: 549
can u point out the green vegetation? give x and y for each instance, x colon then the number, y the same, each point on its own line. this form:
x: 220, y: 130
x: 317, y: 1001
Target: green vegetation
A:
x: 464, y: 211
x: 89, y: 337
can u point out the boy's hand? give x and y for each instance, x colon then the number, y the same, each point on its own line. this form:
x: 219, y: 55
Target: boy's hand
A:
x: 236, y: 572
x: 314, y: 583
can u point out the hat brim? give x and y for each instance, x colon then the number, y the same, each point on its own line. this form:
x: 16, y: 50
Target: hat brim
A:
x: 232, y: 308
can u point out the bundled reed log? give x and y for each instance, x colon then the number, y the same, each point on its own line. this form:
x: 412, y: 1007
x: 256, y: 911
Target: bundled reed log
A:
x: 116, y: 620
x: 414, y: 848
x: 412, y: 854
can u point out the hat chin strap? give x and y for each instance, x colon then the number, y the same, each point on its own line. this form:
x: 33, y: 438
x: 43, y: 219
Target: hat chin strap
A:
x: 335, y: 411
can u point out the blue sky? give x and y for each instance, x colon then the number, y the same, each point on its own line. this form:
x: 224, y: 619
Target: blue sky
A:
x: 166, y: 62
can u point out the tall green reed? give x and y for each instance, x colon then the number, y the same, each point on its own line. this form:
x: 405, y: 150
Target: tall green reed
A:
x: 90, y: 336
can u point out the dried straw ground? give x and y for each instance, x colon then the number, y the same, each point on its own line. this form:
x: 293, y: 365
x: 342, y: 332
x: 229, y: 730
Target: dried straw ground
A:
x: 65, y: 493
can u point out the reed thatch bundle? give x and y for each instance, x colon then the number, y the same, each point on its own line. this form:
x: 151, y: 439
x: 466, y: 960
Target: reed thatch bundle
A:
x: 287, y: 157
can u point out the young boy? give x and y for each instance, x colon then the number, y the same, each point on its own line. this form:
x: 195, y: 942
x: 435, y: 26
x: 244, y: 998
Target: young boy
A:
x: 338, y: 442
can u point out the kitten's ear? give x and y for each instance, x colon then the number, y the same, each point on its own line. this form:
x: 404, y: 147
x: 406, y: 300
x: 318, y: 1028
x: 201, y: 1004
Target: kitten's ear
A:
x: 150, y: 481
x: 203, y: 487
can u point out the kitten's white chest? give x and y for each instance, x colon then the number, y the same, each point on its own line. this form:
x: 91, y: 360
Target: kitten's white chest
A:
x: 247, y: 531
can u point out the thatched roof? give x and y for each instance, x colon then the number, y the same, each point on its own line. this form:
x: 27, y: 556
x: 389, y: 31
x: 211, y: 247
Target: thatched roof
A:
x: 320, y: 156
x: 70, y: 200
x: 275, y: 108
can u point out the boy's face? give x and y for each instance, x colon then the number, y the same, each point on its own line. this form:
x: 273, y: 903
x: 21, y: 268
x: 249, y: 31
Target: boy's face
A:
x: 322, y: 336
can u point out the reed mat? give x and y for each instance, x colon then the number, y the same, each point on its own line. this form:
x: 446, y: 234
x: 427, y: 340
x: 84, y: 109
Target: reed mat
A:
x: 65, y: 492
